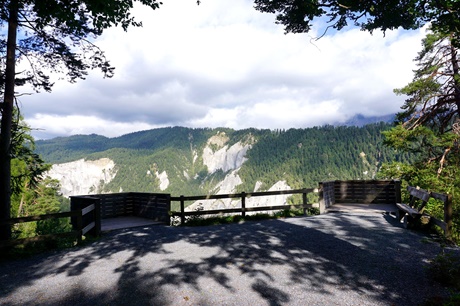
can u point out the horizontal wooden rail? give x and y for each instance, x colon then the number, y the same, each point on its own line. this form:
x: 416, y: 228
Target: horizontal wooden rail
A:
x: 239, y: 195
x: 238, y: 210
x: 243, y: 209
x: 39, y: 217
x: 87, y: 228
x: 78, y: 232
x: 446, y: 224
x: 87, y: 209
x: 25, y: 241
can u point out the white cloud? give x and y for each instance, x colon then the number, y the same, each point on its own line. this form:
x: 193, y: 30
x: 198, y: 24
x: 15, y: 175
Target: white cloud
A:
x: 77, y: 125
x: 224, y: 64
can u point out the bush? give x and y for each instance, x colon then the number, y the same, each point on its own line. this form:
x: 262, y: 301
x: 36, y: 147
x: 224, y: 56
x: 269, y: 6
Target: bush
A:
x: 445, y: 268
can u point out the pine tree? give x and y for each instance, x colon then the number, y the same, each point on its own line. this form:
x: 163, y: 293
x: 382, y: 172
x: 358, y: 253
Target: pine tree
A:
x: 427, y: 124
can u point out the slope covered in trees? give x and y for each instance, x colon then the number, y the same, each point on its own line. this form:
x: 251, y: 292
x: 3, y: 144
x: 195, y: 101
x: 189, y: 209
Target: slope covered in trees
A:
x: 302, y: 157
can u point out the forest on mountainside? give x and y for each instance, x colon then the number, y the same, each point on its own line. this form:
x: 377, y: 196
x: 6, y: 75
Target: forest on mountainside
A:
x: 302, y: 157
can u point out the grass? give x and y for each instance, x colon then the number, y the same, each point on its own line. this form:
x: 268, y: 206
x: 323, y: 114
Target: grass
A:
x: 205, y: 221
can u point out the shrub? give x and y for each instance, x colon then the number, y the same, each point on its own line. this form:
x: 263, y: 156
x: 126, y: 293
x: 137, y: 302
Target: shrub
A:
x: 445, y: 268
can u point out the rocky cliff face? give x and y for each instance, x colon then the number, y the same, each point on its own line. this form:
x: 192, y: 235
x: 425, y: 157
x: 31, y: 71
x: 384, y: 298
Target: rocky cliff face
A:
x: 218, y: 155
x: 89, y: 177
x: 83, y: 176
x: 164, y: 181
x: 228, y: 185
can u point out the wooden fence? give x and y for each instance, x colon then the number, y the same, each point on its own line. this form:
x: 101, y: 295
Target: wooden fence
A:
x: 361, y: 192
x: 243, y: 209
x: 327, y: 195
x: 446, y: 224
x: 87, y: 211
x: 85, y: 221
x: 155, y: 206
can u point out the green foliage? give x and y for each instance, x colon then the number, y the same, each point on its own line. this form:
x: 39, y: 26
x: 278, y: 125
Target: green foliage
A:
x: 27, y: 167
x: 302, y: 157
x: 33, y: 194
x: 312, y: 198
x: 43, y: 199
x: 434, y: 93
x: 59, y: 37
x: 75, y: 147
x: 298, y: 16
x: 426, y: 126
x: 48, y: 37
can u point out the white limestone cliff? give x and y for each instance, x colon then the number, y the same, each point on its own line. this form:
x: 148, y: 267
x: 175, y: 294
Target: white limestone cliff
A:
x: 218, y: 155
x: 271, y: 200
x: 83, y: 176
x: 164, y: 181
x: 228, y: 186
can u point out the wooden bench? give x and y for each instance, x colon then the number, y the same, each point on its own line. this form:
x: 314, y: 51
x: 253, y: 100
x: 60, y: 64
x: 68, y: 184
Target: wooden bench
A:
x: 413, y: 211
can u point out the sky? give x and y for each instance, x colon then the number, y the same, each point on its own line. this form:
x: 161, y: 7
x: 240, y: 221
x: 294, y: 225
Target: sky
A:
x: 224, y: 64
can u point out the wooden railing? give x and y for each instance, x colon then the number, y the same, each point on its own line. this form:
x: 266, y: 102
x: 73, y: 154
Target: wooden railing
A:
x: 87, y: 211
x: 155, y: 206
x: 361, y: 191
x: 243, y: 209
x: 85, y: 221
x: 446, y: 224
x: 327, y: 195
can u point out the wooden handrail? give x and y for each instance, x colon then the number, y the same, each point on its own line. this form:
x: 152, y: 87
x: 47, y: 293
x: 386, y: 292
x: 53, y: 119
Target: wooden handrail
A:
x: 243, y: 209
x: 39, y: 217
x: 78, y: 232
x: 445, y: 224
x: 87, y: 209
x: 239, y: 195
x: 238, y: 210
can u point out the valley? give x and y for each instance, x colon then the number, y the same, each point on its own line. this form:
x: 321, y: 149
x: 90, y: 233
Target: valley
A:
x: 185, y: 161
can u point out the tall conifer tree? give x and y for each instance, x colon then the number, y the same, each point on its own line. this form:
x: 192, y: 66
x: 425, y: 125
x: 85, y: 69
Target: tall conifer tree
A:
x: 54, y: 36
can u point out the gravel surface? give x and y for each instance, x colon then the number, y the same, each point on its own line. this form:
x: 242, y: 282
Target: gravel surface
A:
x: 331, y: 259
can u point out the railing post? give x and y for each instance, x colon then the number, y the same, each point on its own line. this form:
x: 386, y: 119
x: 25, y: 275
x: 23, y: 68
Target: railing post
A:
x: 304, y: 202
x: 243, y: 204
x: 448, y: 216
x: 322, y: 203
x: 97, y: 217
x: 397, y: 191
x: 80, y: 225
x: 182, y: 210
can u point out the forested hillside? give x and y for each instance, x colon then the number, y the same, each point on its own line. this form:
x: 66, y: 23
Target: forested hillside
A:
x: 305, y: 157
x: 301, y: 157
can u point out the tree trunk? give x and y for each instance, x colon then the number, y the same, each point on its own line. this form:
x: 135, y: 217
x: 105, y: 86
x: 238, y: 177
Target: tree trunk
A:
x: 456, y: 75
x: 6, y: 124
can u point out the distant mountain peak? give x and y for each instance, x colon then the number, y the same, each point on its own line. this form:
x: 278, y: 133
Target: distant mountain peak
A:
x: 362, y: 120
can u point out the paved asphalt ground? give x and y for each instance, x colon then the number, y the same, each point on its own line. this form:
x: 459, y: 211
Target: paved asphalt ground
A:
x: 331, y: 259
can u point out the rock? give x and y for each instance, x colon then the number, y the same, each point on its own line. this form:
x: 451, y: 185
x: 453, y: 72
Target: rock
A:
x: 217, y: 155
x: 83, y: 176
x: 164, y: 181
x: 228, y: 186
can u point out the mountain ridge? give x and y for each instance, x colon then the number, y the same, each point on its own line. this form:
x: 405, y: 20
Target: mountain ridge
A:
x: 187, y: 161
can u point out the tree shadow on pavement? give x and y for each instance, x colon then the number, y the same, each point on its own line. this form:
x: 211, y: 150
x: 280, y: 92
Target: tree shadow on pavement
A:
x: 328, y: 259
